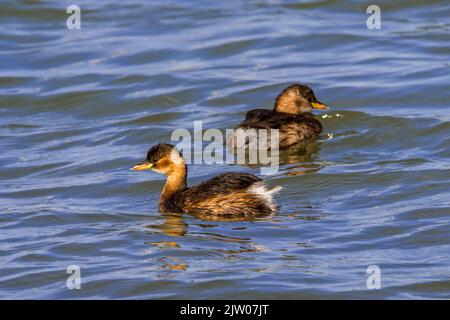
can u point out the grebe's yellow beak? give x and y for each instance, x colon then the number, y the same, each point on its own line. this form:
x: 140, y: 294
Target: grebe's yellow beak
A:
x: 142, y: 166
x: 319, y: 105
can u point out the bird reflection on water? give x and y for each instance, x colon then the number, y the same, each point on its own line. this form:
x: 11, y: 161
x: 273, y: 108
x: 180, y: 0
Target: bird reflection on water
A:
x: 303, y: 157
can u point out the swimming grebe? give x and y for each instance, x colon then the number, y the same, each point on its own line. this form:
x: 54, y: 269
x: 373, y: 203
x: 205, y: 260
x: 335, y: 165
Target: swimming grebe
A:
x: 228, y: 194
x: 291, y: 116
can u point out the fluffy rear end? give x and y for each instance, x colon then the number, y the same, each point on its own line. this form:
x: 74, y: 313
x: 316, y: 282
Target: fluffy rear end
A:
x: 260, y: 190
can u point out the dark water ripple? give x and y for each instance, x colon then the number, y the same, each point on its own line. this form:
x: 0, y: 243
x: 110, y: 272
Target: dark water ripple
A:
x: 77, y: 108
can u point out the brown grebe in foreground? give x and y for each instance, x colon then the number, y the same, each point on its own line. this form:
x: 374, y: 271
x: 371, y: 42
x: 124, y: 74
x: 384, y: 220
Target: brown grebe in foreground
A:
x: 228, y: 194
x: 291, y: 116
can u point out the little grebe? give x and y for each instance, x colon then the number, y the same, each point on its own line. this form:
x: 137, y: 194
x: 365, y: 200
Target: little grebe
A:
x: 228, y: 194
x: 291, y: 116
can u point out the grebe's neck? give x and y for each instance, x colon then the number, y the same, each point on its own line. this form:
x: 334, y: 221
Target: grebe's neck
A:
x: 285, y: 104
x: 176, y: 181
x: 288, y: 103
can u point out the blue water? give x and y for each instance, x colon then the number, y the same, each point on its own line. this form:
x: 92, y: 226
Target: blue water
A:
x: 79, y: 107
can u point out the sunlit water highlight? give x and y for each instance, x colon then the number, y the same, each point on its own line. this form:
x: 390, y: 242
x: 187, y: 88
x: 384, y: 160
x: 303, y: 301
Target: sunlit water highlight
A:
x: 77, y: 108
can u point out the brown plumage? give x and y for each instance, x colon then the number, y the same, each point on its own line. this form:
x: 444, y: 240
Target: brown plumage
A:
x: 227, y: 195
x: 291, y: 116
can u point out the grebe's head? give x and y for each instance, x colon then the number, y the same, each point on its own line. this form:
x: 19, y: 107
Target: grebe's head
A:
x: 163, y: 158
x: 297, y: 99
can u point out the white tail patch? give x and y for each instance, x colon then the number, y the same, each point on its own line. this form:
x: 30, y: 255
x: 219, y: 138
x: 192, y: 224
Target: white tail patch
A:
x: 260, y: 189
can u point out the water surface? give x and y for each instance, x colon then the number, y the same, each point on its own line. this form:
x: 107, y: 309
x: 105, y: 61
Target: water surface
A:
x: 78, y: 107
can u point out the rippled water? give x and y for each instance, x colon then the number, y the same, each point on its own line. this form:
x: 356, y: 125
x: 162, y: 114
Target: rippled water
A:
x: 78, y: 107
